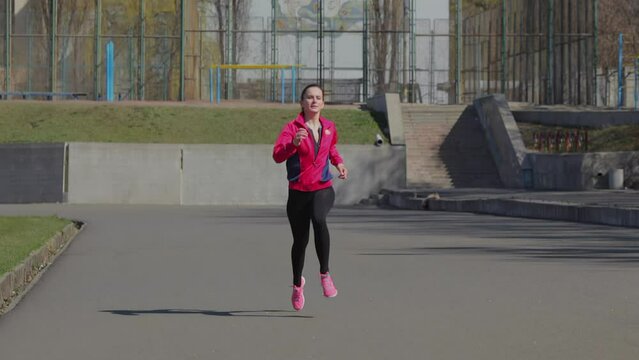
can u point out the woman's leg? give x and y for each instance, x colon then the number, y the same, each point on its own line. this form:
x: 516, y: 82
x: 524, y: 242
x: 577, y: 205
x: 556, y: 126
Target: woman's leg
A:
x: 322, y: 203
x: 299, y: 215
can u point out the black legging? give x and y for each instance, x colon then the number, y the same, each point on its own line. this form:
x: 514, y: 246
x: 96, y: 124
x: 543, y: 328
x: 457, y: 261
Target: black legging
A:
x: 302, y: 208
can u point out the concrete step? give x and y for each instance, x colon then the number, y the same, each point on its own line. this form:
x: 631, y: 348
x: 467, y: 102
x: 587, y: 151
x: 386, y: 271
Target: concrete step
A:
x: 445, y: 146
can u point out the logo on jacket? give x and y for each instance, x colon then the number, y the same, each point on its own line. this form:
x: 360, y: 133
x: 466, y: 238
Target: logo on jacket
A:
x: 327, y: 132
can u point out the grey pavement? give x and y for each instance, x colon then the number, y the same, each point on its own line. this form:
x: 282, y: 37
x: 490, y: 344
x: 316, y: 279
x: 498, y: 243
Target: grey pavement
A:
x: 168, y: 282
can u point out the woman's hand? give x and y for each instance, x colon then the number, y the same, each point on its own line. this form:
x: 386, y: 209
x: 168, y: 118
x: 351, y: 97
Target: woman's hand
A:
x: 300, y: 135
x: 343, y: 171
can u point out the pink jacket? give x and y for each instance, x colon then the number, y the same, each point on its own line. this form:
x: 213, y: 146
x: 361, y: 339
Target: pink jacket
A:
x: 307, y: 171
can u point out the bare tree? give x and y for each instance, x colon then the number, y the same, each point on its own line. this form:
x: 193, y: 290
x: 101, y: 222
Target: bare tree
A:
x: 617, y: 16
x: 240, y: 19
x: 71, y: 19
x: 387, y: 21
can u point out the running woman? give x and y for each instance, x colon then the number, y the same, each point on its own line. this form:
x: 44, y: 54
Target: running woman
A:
x: 307, y: 144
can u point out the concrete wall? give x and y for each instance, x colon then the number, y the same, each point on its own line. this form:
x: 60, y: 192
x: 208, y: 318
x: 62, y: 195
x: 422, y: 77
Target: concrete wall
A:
x: 391, y: 106
x: 370, y: 168
x: 582, y: 171
x: 214, y: 174
x: 232, y: 175
x: 104, y: 173
x: 504, y: 139
x: 31, y: 173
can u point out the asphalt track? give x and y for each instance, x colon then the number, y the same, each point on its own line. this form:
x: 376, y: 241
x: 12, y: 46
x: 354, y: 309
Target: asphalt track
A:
x: 160, y: 282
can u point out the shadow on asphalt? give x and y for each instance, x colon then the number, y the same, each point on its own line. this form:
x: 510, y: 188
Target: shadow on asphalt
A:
x: 245, y: 313
x: 603, y: 254
x: 514, y: 238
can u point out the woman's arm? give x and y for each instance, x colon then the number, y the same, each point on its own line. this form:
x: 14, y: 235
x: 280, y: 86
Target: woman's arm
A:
x: 284, y: 146
x: 336, y: 158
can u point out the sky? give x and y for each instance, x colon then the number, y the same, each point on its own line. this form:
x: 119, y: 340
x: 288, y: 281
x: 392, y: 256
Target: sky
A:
x: 425, y: 9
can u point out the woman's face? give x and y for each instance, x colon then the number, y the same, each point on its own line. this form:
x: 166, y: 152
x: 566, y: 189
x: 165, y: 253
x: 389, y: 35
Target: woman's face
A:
x: 313, y: 100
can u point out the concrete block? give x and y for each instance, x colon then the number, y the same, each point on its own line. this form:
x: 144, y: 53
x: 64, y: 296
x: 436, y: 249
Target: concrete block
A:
x: 55, y: 242
x: 504, y: 138
x: 370, y: 168
x: 232, y: 175
x: 6, y: 286
x: 20, y: 273
x: 609, y: 216
x: 124, y: 173
x: 31, y: 173
x: 395, y: 120
x: 247, y: 175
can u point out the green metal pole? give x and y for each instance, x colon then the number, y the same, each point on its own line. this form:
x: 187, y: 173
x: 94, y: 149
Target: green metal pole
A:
x: 413, y: 55
x: 405, y: 34
x: 595, y: 46
x: 182, y: 33
x: 365, y: 53
x: 97, y: 53
x: 458, y: 79
x: 7, y: 50
x: 273, y: 46
x: 298, y: 48
x: 458, y: 39
x: 550, y: 96
x: 131, y: 70
x: 52, y: 54
x: 229, y: 49
x: 142, y: 52
x: 332, y: 52
x: 320, y: 43
x: 29, y: 52
x: 504, y: 44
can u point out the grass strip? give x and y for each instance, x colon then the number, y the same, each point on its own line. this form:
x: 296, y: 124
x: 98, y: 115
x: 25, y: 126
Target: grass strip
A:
x: 19, y: 236
x: 47, y: 122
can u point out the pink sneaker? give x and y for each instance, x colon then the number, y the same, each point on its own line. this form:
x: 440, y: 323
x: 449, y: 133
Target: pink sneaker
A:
x: 328, y: 286
x: 298, y: 296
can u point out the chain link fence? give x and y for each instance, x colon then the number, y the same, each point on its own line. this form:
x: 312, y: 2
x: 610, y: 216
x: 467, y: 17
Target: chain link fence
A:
x: 55, y: 49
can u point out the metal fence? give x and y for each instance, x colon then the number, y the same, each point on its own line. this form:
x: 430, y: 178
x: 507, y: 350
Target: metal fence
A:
x: 164, y: 50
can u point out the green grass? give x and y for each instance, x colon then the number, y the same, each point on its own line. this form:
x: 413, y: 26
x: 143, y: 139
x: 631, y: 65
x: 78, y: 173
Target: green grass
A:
x: 46, y: 122
x: 613, y: 138
x: 19, y: 236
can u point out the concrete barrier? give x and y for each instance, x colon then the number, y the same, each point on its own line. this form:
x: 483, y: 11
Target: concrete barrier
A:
x: 214, y: 174
x: 31, y: 173
x: 390, y: 105
x: 232, y: 175
x: 104, y: 173
x: 504, y: 139
x: 583, y: 171
x: 370, y: 169
x: 602, y: 215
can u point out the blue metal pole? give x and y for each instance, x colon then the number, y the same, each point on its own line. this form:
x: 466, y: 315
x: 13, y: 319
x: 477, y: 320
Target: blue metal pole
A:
x: 294, y: 84
x: 219, y: 87
x: 211, y: 85
x: 7, y: 50
x: 109, y: 71
x: 106, y: 70
x: 283, y: 84
x: 620, y: 74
